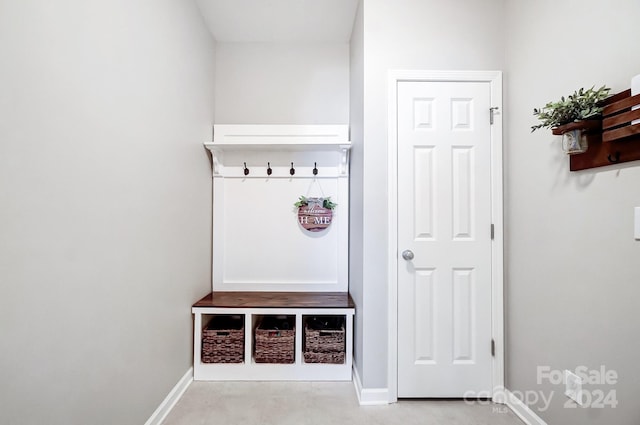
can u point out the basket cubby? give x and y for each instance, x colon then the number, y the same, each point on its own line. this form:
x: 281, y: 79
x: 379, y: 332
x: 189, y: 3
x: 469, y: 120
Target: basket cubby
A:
x: 275, y: 339
x: 324, y: 339
x: 298, y: 307
x: 223, y: 339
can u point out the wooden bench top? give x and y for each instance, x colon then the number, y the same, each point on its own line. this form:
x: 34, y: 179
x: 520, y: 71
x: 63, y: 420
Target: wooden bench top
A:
x: 277, y: 300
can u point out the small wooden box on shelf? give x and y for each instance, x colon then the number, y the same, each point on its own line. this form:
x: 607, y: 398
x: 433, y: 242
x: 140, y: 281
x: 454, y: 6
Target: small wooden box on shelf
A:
x: 297, y: 308
x: 617, y: 141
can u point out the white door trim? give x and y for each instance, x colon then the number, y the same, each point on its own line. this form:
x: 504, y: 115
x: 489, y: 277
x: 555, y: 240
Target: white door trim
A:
x: 497, y: 290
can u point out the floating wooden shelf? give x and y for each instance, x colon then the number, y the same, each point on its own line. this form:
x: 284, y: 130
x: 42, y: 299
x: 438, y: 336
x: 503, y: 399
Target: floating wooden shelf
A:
x: 614, y: 140
x: 587, y: 126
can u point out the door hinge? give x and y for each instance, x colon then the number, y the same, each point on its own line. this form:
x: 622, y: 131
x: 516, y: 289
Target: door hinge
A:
x: 492, y: 111
x: 493, y: 228
x: 493, y: 348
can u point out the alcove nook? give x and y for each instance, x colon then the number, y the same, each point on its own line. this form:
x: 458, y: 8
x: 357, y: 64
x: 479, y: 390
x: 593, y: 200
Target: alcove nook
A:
x: 280, y: 307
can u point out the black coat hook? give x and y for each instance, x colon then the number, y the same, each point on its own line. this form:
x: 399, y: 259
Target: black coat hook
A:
x: 615, y: 159
x: 269, y: 170
x: 292, y: 171
x: 246, y: 170
x: 315, y: 169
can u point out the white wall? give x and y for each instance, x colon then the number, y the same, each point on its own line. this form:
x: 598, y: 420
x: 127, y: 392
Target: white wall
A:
x: 407, y: 34
x: 105, y: 205
x: 356, y: 126
x: 282, y: 83
x: 572, y: 275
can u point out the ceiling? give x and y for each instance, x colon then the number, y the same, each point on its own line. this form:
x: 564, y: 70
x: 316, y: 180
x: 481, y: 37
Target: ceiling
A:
x: 250, y: 21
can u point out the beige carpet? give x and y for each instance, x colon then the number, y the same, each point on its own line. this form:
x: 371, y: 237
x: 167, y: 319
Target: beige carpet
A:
x: 306, y: 403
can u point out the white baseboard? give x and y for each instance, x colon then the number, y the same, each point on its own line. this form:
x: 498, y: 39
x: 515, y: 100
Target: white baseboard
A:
x: 171, y: 399
x: 522, y: 410
x: 369, y: 396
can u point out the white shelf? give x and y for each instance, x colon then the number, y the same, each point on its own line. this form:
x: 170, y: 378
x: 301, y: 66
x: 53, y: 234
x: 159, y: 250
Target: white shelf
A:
x: 252, y: 371
x: 304, y: 145
x: 280, y: 146
x: 285, y: 135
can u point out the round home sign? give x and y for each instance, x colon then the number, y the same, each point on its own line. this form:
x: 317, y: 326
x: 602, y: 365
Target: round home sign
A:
x: 315, y: 214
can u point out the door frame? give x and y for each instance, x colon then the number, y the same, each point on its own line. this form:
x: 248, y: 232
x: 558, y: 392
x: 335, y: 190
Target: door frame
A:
x: 497, y: 245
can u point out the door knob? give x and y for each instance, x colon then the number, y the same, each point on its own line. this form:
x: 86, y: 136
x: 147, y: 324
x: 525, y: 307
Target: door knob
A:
x: 407, y: 254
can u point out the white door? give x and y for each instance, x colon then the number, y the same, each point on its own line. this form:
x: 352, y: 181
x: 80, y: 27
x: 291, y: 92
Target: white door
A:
x: 444, y: 223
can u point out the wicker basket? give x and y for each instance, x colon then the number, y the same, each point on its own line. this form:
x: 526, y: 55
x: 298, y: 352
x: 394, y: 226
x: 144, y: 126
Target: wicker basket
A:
x: 324, y: 340
x: 275, y: 340
x: 333, y: 358
x: 223, y: 340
